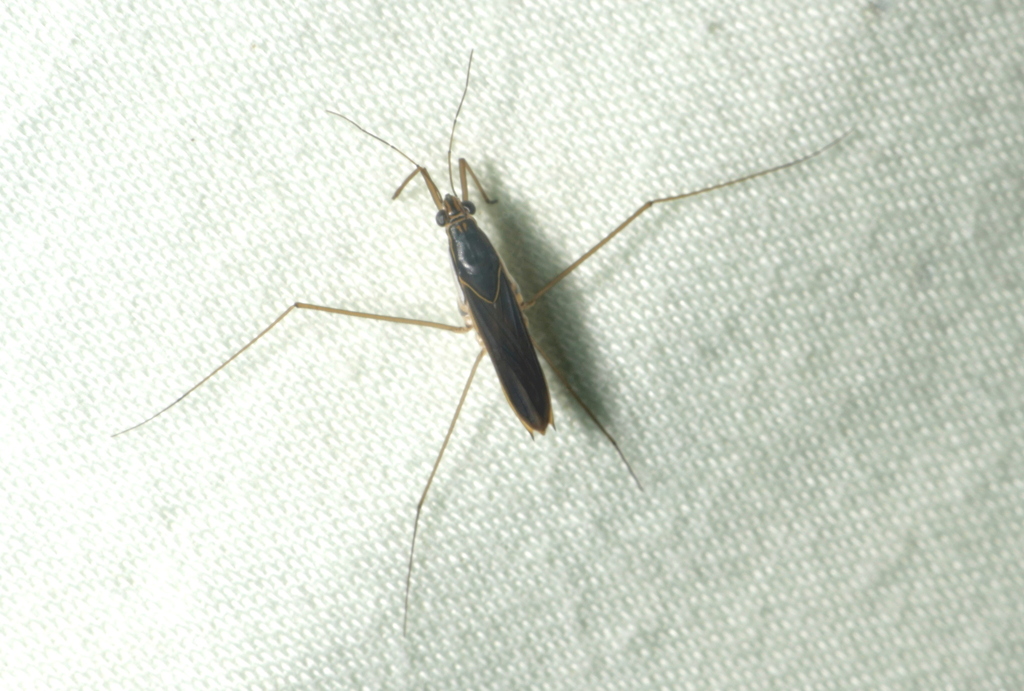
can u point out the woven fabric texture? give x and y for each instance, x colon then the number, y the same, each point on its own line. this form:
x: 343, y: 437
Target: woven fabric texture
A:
x: 818, y: 375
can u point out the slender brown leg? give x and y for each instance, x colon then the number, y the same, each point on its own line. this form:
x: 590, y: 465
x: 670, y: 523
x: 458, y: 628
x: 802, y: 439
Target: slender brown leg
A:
x: 426, y: 488
x: 588, y: 411
x: 646, y: 205
x: 463, y: 169
x: 404, y: 183
x: 305, y: 306
x: 435, y: 195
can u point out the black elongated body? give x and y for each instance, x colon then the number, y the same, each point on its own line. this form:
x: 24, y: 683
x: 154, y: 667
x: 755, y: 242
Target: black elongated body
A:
x: 492, y: 304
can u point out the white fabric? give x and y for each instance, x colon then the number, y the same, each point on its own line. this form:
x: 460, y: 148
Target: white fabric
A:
x: 817, y: 375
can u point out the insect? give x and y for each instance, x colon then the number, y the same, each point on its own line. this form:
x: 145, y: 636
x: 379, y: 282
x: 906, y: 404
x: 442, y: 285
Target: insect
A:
x: 490, y: 304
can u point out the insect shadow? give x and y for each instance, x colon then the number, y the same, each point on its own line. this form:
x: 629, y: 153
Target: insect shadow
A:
x: 491, y: 305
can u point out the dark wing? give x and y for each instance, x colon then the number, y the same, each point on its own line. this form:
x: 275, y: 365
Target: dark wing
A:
x: 502, y: 328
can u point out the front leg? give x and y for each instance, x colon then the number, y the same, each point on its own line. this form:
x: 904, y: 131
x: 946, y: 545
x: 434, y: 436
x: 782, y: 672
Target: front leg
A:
x: 430, y: 186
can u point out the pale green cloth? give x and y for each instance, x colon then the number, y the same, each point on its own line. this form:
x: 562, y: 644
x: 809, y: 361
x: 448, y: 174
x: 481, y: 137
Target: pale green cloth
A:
x: 818, y: 375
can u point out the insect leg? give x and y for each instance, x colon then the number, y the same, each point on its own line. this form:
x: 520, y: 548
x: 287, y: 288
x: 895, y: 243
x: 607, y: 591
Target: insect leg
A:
x: 430, y: 186
x: 646, y: 205
x: 426, y: 488
x: 463, y: 168
x: 404, y: 183
x: 261, y: 334
x: 588, y: 411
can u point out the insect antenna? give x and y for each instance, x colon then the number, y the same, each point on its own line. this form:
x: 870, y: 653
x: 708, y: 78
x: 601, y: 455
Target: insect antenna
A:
x: 455, y: 121
x: 380, y: 139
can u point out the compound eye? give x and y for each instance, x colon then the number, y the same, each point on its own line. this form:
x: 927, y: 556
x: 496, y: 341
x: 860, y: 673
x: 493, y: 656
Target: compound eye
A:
x: 469, y: 206
x: 441, y: 218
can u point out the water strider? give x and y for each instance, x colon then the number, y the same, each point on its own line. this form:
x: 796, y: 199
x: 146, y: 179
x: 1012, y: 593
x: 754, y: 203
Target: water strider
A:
x: 491, y: 305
